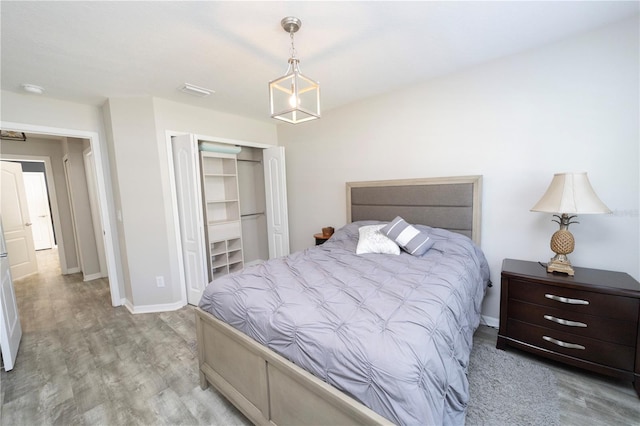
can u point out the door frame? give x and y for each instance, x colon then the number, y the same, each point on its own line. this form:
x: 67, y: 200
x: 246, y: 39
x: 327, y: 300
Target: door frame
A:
x: 90, y: 174
x: 174, y: 197
x: 101, y: 168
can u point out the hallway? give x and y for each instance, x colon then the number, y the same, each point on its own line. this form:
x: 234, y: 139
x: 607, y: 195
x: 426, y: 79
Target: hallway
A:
x: 81, y: 361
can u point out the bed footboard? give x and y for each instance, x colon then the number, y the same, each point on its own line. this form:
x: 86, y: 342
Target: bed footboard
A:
x: 266, y: 387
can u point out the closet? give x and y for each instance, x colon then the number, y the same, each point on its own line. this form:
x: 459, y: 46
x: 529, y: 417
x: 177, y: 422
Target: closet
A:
x: 221, y: 209
x: 231, y: 206
x: 253, y: 216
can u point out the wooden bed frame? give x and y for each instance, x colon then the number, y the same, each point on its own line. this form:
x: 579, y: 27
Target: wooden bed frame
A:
x: 269, y: 389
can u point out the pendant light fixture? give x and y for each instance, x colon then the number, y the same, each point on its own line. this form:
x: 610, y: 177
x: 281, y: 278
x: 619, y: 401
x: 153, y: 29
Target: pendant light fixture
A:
x: 294, y: 98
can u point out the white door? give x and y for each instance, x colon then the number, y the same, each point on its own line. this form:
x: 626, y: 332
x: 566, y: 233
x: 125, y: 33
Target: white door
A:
x: 35, y: 186
x: 188, y: 194
x: 10, y: 329
x: 72, y: 210
x: 275, y: 181
x: 17, y: 225
x: 96, y: 219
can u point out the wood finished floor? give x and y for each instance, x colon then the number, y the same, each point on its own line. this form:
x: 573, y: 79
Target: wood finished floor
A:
x: 83, y: 362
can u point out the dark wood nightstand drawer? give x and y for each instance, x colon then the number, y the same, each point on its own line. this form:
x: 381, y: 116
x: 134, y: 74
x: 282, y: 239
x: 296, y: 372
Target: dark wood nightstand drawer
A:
x: 585, y: 302
x: 616, y: 356
x: 590, y: 320
x: 606, y: 329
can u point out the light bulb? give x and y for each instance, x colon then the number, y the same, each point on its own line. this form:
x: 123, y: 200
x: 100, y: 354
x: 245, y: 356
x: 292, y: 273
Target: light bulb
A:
x: 294, y: 102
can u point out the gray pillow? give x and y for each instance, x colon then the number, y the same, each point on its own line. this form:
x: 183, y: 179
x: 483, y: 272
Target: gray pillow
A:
x: 411, y: 239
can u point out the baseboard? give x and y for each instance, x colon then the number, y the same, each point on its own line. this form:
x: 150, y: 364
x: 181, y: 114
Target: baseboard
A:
x: 72, y: 270
x: 490, y: 321
x: 92, y: 276
x: 147, y: 309
x: 128, y: 305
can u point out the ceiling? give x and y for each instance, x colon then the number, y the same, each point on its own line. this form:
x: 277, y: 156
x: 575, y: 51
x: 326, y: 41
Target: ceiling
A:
x: 88, y: 51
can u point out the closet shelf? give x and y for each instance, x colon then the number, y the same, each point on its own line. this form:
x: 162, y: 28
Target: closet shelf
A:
x: 235, y: 200
x: 219, y: 175
x: 222, y: 222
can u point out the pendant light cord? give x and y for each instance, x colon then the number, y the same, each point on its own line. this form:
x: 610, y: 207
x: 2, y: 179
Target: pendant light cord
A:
x: 292, y: 51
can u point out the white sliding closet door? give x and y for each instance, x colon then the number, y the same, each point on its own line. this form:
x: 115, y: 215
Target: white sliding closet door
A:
x: 275, y: 181
x: 189, y: 197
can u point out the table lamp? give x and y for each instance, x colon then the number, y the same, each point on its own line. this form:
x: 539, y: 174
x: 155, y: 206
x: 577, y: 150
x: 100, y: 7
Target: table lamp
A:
x: 568, y: 195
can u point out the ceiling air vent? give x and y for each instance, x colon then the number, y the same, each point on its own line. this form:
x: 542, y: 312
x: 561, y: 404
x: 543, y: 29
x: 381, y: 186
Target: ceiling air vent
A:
x: 195, y: 90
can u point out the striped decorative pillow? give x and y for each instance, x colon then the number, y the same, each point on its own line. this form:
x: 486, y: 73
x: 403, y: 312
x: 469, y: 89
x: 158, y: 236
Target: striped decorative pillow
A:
x: 411, y: 239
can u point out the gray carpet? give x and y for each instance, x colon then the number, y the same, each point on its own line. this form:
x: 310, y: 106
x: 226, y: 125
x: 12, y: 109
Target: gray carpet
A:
x: 507, y: 389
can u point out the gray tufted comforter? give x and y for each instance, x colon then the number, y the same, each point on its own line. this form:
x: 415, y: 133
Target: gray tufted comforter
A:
x: 393, y: 332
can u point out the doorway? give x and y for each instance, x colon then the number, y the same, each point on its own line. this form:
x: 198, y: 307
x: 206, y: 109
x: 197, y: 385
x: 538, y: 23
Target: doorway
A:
x: 101, y: 181
x: 77, y: 233
x: 29, y: 225
x: 37, y: 196
x: 35, y: 185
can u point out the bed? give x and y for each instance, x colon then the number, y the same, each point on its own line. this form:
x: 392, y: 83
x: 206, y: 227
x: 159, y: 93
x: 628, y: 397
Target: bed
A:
x: 331, y: 336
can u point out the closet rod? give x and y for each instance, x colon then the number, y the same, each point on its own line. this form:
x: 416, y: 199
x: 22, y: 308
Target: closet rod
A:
x: 251, y: 214
x: 250, y: 161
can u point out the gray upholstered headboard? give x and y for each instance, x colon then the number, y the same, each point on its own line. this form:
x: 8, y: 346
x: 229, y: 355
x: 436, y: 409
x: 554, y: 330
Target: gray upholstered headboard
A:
x: 451, y: 203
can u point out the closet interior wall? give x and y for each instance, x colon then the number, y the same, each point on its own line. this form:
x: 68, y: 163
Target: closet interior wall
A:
x: 253, y: 205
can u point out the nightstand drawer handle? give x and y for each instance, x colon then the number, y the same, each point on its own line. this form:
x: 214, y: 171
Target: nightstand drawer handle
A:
x: 563, y: 344
x: 566, y: 300
x: 565, y: 322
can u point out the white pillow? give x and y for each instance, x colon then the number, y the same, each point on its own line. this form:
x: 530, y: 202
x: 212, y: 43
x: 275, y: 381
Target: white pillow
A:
x: 371, y: 240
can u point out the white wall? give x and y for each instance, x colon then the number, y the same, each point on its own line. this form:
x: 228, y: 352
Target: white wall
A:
x: 140, y: 216
x: 189, y: 119
x: 570, y: 106
x: 43, y: 111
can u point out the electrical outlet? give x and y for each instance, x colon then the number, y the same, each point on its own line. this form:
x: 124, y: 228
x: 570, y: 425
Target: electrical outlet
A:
x: 160, y: 281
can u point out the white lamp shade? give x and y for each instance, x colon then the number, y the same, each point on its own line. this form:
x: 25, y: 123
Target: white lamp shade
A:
x: 570, y: 193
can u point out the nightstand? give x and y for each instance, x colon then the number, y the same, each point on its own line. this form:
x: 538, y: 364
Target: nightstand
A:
x: 589, y: 320
x: 320, y: 238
